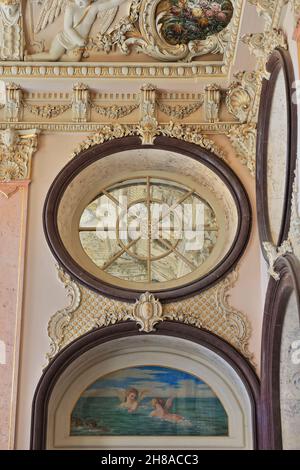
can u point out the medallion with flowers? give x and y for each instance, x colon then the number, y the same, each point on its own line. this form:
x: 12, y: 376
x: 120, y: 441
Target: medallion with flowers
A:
x: 182, y: 21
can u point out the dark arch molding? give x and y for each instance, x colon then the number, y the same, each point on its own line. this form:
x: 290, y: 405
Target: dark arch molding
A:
x: 279, y: 60
x: 278, y: 295
x: 130, y: 329
x: 87, y: 157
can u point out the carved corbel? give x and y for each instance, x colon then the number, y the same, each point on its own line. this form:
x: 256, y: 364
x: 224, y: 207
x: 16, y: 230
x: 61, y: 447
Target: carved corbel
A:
x: 148, y: 126
x: 81, y: 103
x: 243, y: 140
x: 212, y: 102
x: 16, y: 151
x: 13, y: 103
x: 274, y: 254
x: 11, y: 30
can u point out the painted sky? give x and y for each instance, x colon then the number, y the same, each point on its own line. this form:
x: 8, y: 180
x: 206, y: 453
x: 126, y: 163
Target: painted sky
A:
x: 152, y: 381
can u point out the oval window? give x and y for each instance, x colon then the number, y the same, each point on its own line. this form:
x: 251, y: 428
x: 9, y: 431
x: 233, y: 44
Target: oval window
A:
x: 149, y: 230
x: 125, y: 219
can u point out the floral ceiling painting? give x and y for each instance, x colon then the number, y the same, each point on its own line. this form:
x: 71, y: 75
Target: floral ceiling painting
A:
x: 183, y: 21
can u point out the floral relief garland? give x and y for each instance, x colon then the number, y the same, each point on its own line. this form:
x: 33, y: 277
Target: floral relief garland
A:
x: 177, y: 131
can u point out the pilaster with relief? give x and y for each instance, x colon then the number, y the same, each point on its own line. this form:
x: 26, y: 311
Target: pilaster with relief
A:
x: 11, y: 30
x: 16, y: 151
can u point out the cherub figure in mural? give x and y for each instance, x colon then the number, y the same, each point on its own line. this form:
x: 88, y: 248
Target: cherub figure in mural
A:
x: 131, y: 399
x: 161, y: 410
x: 79, y: 17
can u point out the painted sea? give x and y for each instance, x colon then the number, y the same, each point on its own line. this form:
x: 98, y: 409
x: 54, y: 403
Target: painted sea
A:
x: 164, y: 402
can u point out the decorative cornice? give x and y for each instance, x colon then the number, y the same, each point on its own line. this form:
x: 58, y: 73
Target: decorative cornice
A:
x: 210, y: 310
x: 16, y: 151
x: 72, y: 127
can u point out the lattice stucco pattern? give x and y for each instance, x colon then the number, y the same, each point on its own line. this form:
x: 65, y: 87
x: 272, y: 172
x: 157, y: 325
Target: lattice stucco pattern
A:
x: 209, y: 310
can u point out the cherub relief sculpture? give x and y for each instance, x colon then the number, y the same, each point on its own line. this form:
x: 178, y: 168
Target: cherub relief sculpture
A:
x: 79, y: 17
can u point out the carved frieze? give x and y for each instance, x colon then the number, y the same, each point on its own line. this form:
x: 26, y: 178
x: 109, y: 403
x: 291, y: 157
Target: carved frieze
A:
x: 83, y: 106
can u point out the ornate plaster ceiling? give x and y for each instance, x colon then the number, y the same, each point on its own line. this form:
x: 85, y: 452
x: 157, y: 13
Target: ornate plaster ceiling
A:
x: 134, y: 39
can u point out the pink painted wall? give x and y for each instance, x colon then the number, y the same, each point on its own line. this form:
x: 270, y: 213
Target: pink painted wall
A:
x: 13, y: 211
x: 44, y: 294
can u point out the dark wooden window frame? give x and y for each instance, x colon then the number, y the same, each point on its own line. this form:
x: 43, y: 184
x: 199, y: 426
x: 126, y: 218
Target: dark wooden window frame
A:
x: 220, y: 168
x: 279, y: 60
x: 129, y: 329
x: 278, y: 295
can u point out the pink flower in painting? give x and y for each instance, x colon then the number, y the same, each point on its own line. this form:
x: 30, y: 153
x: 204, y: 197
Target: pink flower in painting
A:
x: 209, y: 13
x: 215, y: 7
x: 221, y: 16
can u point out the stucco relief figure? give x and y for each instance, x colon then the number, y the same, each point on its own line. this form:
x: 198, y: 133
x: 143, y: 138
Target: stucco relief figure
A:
x: 10, y: 30
x: 79, y: 18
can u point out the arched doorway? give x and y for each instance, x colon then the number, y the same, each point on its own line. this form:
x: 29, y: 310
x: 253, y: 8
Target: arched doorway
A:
x: 215, y: 367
